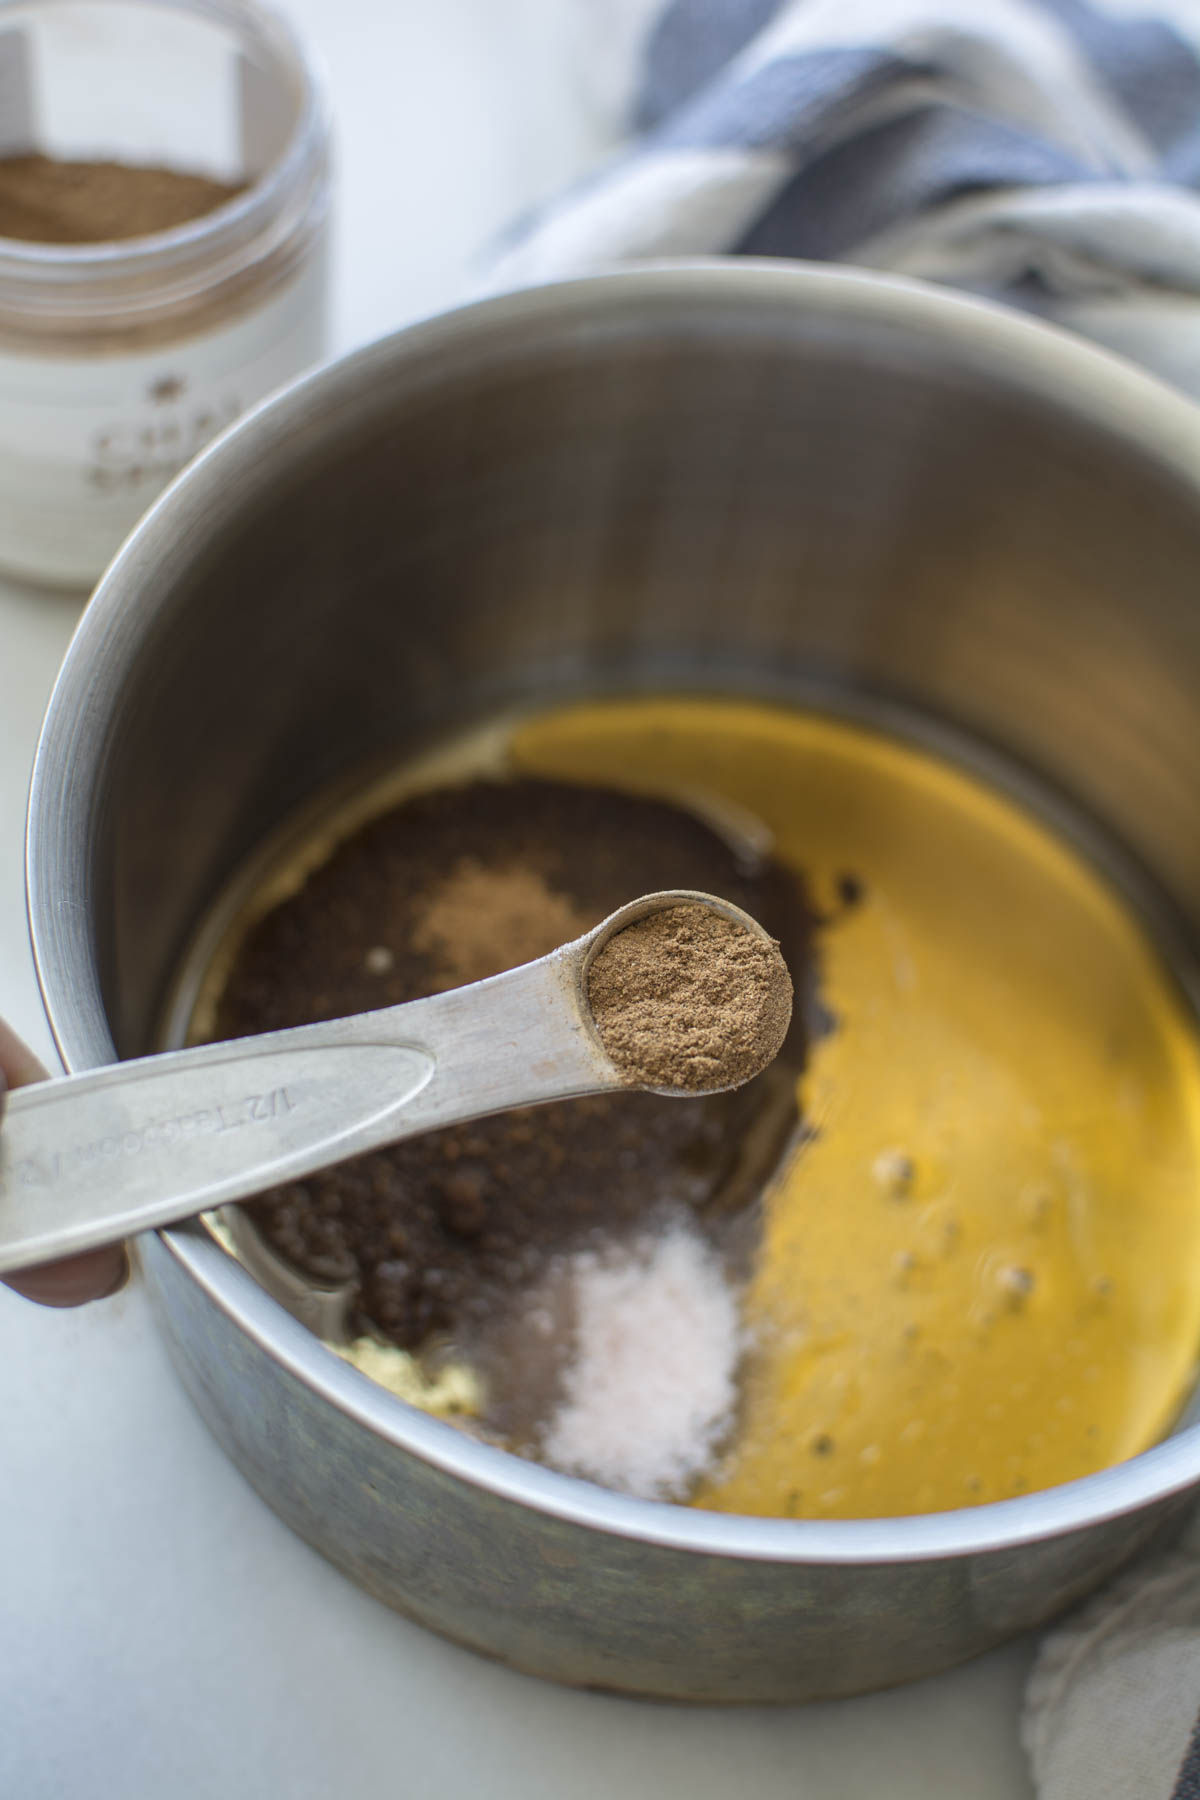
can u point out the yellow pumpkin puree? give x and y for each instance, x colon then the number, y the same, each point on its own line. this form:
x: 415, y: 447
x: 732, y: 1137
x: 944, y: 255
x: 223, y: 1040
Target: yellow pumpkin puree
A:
x: 981, y: 1274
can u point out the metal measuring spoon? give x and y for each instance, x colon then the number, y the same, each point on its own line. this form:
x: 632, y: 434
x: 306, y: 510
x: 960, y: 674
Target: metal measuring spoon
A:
x: 90, y: 1159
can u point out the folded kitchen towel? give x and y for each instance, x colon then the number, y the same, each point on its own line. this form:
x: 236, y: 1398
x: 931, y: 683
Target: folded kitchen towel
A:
x: 1112, y: 1710
x: 1040, y: 152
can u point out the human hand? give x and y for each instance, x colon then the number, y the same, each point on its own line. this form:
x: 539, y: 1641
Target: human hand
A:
x: 75, y: 1279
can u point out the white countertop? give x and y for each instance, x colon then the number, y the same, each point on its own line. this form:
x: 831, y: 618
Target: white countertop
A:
x: 162, y: 1635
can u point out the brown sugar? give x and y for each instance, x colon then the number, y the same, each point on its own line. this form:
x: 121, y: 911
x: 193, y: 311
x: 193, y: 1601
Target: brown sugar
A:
x: 46, y: 201
x: 437, y: 1233
x: 688, y: 998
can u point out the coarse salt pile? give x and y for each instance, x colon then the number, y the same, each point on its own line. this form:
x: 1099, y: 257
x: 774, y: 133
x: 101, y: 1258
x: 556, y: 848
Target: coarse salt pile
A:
x: 649, y: 1392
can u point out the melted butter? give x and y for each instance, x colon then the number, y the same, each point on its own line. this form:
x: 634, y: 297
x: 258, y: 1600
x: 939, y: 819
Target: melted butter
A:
x: 455, y: 1389
x: 982, y: 1274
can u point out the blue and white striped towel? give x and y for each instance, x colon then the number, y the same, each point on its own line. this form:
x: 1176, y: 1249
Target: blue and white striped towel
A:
x: 1042, y: 152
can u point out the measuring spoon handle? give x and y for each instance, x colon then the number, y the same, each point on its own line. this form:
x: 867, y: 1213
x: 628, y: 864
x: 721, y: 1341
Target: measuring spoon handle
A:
x: 89, y: 1159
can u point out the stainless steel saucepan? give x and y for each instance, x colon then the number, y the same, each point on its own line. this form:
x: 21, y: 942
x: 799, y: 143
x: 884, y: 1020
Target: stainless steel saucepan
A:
x: 791, y: 482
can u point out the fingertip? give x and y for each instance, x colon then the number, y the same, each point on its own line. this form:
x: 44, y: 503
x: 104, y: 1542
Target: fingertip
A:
x: 17, y: 1061
x: 95, y: 1275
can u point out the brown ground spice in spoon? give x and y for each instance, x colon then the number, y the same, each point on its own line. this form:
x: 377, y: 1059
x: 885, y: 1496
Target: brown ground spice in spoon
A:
x: 688, y: 998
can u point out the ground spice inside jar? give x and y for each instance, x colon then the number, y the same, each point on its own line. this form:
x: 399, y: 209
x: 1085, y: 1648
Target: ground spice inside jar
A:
x: 688, y: 998
x: 47, y: 201
x: 437, y: 1234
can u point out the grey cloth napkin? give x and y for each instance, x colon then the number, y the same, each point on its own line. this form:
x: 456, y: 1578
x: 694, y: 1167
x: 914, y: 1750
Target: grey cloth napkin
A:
x: 1111, y: 1708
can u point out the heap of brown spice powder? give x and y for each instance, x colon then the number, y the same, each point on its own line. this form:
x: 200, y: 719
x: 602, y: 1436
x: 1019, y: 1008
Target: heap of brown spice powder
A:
x: 689, y: 998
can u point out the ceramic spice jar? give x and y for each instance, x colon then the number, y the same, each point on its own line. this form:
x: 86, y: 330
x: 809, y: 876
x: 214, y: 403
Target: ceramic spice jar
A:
x: 164, y: 202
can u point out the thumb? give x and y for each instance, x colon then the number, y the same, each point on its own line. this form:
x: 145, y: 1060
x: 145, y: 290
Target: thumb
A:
x: 74, y: 1279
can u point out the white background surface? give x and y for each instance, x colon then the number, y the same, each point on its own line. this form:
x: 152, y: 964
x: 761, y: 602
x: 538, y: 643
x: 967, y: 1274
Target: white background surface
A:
x: 162, y: 1635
